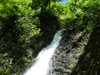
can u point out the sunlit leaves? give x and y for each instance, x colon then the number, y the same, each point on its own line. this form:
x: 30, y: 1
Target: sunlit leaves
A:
x: 75, y: 11
x: 10, y: 7
x: 29, y: 29
x: 7, y: 9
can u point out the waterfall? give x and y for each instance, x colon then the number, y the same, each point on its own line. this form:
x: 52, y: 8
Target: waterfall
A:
x: 41, y: 66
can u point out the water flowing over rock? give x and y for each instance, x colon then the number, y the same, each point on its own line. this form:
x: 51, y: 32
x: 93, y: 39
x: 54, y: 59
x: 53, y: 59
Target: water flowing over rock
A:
x: 62, y: 55
x: 67, y: 54
x: 41, y: 65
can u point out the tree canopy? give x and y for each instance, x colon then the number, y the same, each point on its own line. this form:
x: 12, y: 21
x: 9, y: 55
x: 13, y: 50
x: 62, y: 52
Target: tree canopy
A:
x: 21, y: 35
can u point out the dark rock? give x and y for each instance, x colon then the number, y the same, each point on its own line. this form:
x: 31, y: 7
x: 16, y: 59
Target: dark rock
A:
x: 66, y: 55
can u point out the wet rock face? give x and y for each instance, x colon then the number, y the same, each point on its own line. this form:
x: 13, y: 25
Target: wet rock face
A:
x: 89, y: 63
x: 66, y: 55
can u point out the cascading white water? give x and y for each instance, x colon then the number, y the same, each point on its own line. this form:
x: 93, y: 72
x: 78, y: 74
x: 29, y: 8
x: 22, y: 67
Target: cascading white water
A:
x: 41, y: 66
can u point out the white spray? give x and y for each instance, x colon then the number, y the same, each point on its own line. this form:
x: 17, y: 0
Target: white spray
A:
x: 41, y: 66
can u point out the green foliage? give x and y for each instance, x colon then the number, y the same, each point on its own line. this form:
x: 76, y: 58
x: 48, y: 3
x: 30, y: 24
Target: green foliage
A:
x: 43, y: 4
x: 18, y: 25
x: 6, y: 63
x: 27, y: 23
x: 7, y: 8
x: 22, y: 24
x: 77, y: 13
x: 58, y: 9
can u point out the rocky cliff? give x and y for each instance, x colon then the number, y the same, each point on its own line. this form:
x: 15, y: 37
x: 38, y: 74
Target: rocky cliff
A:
x: 77, y: 54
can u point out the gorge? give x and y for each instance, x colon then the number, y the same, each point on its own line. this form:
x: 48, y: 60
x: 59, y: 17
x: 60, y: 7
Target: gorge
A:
x: 61, y: 56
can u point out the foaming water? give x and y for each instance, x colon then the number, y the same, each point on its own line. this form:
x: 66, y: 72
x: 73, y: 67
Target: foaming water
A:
x: 41, y: 66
